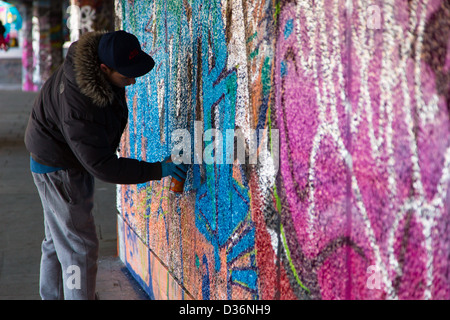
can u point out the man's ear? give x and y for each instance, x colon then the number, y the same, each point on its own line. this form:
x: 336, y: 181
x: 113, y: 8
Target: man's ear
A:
x: 105, y: 68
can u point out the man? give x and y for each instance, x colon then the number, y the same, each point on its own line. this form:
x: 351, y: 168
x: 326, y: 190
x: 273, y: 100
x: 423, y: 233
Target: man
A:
x: 73, y: 134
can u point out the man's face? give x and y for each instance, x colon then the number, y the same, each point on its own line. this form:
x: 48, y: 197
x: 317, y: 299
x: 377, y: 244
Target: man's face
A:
x: 116, y: 78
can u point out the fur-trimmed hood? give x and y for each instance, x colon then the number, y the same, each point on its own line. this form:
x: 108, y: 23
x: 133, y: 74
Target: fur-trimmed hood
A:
x: 90, y: 79
x: 78, y: 119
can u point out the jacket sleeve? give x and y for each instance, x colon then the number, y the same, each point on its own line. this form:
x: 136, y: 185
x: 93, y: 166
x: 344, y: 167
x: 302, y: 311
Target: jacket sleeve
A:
x: 89, y: 142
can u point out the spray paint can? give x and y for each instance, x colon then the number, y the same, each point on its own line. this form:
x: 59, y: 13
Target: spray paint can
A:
x: 176, y: 186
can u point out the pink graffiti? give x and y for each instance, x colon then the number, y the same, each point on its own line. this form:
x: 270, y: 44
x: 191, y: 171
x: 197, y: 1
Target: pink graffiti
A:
x: 364, y: 150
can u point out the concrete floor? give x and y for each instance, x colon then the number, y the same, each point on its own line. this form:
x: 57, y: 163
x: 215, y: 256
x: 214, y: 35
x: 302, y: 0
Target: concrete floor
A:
x: 21, y: 226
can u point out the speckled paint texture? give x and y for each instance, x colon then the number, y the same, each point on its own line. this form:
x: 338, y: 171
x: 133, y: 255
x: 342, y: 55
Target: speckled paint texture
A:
x: 350, y: 198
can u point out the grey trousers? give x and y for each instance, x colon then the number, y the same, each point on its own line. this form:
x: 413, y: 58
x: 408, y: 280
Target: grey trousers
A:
x: 70, y: 247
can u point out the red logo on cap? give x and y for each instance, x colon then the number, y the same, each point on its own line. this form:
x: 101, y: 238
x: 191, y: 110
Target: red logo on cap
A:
x: 133, y: 54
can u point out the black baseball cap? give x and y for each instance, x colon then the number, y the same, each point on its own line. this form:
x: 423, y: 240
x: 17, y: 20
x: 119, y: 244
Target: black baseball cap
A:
x: 122, y: 52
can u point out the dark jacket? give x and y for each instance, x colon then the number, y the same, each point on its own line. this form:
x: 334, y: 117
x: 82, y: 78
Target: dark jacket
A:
x: 78, y: 119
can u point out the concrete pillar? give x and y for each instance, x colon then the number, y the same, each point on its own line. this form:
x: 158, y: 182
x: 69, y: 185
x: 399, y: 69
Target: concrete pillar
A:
x: 44, y: 41
x: 41, y: 41
x: 89, y: 15
x: 27, y: 49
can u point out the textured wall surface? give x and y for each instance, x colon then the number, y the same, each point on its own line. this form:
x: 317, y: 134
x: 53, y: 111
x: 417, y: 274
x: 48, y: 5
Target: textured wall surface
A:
x: 354, y: 98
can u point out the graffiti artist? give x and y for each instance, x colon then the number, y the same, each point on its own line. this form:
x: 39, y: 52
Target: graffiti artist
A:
x: 73, y: 133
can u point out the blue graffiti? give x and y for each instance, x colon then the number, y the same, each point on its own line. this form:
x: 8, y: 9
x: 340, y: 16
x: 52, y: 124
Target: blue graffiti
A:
x: 222, y: 205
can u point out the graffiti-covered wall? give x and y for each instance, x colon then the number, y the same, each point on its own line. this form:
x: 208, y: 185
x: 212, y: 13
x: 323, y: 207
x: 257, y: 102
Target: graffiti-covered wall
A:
x: 341, y: 109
